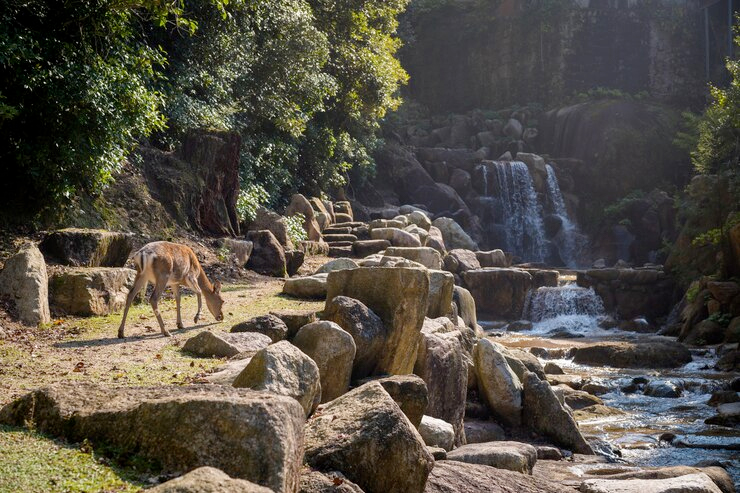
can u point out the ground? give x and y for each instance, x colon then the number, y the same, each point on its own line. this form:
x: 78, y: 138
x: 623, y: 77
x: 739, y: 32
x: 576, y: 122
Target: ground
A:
x: 88, y: 349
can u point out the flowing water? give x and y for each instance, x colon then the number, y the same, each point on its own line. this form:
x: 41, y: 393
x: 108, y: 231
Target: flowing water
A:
x: 569, y: 240
x: 636, y: 432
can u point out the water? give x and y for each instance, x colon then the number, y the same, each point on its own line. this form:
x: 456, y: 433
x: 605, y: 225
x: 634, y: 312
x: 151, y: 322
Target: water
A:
x: 569, y: 240
x: 522, y: 213
x: 570, y: 311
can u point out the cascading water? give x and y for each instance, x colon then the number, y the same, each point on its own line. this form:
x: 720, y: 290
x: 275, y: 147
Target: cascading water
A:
x: 522, y: 213
x: 569, y: 239
x: 568, y: 310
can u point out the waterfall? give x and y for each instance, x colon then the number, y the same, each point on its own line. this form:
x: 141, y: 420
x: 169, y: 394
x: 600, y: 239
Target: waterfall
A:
x: 569, y: 309
x: 569, y: 240
x: 522, y: 213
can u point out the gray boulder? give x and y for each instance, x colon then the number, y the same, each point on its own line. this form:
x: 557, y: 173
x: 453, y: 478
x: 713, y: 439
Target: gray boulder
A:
x: 309, y: 287
x: 441, y: 288
x: 514, y: 456
x: 269, y: 325
x: 330, y: 482
x: 24, y: 280
x: 249, y: 435
x: 336, y: 264
x: 478, y: 431
x: 273, y: 222
x: 397, y: 237
x: 459, y: 477
x: 283, y: 369
x: 426, y: 256
x: 90, y: 291
x: 209, y: 344
x: 364, y: 435
x: 437, y: 433
x: 410, y: 393
x: 497, y: 382
x: 208, y: 480
x: 459, y: 260
x: 87, y: 247
x: 453, y: 234
x: 333, y: 351
x: 690, y: 483
x: 268, y: 255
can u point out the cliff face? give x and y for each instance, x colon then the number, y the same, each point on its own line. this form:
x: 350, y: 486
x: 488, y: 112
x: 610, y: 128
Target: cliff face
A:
x: 494, y: 53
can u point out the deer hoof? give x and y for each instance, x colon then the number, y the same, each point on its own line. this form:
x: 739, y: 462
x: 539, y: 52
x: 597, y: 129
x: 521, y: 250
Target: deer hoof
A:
x: 180, y: 326
x: 166, y: 333
x: 196, y: 319
x: 120, y: 334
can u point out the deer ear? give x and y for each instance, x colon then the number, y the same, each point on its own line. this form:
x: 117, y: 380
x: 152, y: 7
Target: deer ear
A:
x: 217, y: 287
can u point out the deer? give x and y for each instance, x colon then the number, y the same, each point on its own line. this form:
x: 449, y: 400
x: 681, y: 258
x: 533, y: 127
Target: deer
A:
x: 167, y: 264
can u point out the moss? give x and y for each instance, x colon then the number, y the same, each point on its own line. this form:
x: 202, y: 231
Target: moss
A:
x: 33, y: 463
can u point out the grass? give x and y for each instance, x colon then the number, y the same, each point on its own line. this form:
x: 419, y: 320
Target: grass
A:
x: 33, y: 463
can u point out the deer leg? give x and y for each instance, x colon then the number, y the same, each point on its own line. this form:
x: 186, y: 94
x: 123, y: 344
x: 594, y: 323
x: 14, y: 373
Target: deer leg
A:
x: 176, y: 289
x: 154, y: 301
x: 193, y: 284
x: 139, y: 282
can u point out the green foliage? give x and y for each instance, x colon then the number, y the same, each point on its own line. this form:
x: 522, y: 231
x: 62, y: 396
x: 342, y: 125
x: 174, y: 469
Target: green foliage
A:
x: 618, y: 209
x: 599, y: 93
x: 693, y: 291
x: 250, y: 199
x: 296, y: 233
x: 723, y: 319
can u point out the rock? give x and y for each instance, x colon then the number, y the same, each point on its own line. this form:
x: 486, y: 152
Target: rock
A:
x: 662, y: 388
x: 458, y: 261
x: 222, y: 345
x: 333, y: 351
x: 453, y: 234
x: 705, y: 332
x: 268, y: 256
x: 498, y: 384
x: 691, y: 483
x: 595, y: 388
x: 499, y: 293
x: 90, y: 291
x: 273, y: 222
x: 364, y: 248
x: 437, y: 433
x: 24, y: 280
x: 438, y: 453
x: 460, y: 181
x: 270, y: 325
x: 478, y: 431
x: 436, y: 240
x: 363, y: 433
x: 729, y: 362
x: 548, y: 453
x: 420, y: 233
x: 388, y: 223
x: 645, y: 354
x: 513, y: 129
x: 578, y: 399
x: 493, y: 258
x: 420, y: 218
x: 309, y: 287
x: 723, y: 397
x: 240, y: 249
x: 208, y: 480
x: 300, y: 205
x: 295, y: 319
x: 553, y: 369
x: 441, y: 289
x: 227, y: 373
x: 293, y: 261
x: 87, y: 247
x: 426, y: 256
x: 522, y: 361
x: 727, y: 415
x: 331, y: 482
x: 336, y: 264
x: 442, y: 364
x: 639, y: 325
x: 397, y: 237
x: 723, y: 292
x: 343, y: 207
x: 399, y: 296
x: 575, y: 382
x: 365, y: 327
x: 248, y: 435
x: 283, y: 369
x: 514, y: 456
x: 409, y: 392
x: 544, y: 413
x: 459, y: 477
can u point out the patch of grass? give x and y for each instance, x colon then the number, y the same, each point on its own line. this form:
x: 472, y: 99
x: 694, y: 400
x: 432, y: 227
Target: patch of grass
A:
x: 33, y: 463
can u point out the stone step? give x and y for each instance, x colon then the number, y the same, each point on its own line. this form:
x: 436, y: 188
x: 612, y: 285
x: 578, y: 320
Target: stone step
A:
x: 348, y: 224
x: 334, y: 238
x: 340, y: 243
x: 340, y: 251
x: 332, y: 230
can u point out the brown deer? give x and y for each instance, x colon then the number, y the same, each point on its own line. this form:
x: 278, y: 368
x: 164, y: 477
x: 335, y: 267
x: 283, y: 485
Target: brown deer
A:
x: 168, y: 264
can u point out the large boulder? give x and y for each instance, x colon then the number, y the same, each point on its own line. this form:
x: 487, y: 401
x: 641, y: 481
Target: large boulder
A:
x: 308, y: 287
x: 478, y: 431
x: 331, y: 482
x: 493, y: 258
x: 268, y: 256
x: 300, y: 205
x: 465, y: 306
x: 240, y: 249
x: 295, y: 319
x: 283, y: 369
x: 544, y: 413
x: 269, y: 325
x: 365, y: 327
x: 460, y: 477
x: 336, y: 264
x: 88, y: 291
x: 436, y: 240
x: 441, y: 288
x: 24, y: 280
x: 364, y: 435
x: 249, y: 435
x: 459, y: 260
x: 514, y: 456
x: 499, y: 293
x: 442, y: 364
x: 208, y: 480
x: 363, y: 248
x: 87, y: 247
x: 453, y: 234
x: 397, y: 237
x: 426, y: 256
x: 333, y: 351
x: 437, y: 433
x: 690, y: 483
x: 663, y: 353
x: 399, y: 297
x: 267, y: 220
x: 497, y: 382
x: 209, y: 344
